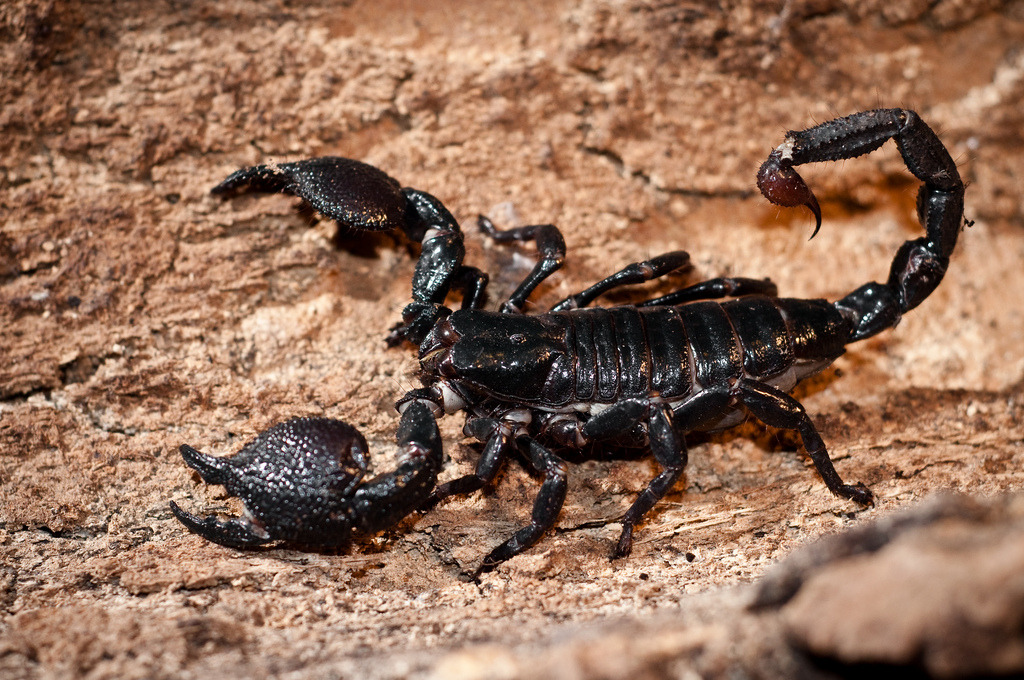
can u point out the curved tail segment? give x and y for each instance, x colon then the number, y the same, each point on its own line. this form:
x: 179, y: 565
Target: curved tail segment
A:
x: 919, y: 264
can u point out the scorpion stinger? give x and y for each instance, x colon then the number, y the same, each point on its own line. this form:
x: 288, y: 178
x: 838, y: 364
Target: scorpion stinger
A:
x: 577, y: 376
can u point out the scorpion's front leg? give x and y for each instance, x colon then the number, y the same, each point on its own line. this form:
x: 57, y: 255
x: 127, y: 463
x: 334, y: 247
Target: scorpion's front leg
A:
x: 546, y: 506
x: 301, y: 482
x: 500, y: 441
x: 498, y: 438
x: 360, y: 197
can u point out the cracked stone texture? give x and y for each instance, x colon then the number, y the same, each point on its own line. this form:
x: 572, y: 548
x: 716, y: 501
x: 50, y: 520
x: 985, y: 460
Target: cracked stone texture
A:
x: 139, y: 312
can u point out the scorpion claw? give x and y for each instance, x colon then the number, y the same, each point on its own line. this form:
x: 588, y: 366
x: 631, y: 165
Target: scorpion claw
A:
x: 782, y: 185
x: 239, y: 532
x: 301, y: 482
x: 210, y: 468
x: 296, y: 481
x: 354, y: 194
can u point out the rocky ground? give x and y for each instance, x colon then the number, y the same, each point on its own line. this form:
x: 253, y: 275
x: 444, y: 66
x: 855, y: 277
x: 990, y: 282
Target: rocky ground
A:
x: 139, y: 312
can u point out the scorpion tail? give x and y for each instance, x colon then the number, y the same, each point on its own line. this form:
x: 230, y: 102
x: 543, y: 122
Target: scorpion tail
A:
x: 919, y: 264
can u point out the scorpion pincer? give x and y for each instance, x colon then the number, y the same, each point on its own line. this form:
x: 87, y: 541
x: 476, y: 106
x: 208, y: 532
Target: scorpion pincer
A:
x: 574, y: 376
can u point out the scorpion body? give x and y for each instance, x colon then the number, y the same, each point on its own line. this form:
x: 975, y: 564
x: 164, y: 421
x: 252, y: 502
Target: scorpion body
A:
x: 636, y: 375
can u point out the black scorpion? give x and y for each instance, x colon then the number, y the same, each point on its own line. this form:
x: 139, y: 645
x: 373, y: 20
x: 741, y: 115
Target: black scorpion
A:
x: 640, y: 374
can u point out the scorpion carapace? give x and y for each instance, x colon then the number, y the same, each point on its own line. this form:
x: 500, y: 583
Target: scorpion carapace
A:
x: 573, y: 376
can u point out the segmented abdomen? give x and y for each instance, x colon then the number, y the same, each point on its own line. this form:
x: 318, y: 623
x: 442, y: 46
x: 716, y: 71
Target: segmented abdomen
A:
x: 673, y: 351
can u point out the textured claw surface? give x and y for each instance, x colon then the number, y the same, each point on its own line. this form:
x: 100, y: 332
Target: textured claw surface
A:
x: 235, y: 533
x: 297, y: 481
x: 356, y: 195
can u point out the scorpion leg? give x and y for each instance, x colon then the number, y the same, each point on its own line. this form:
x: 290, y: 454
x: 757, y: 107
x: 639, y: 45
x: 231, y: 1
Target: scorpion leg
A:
x: 713, y: 289
x: 550, y: 245
x: 778, y: 409
x: 669, y: 450
x: 619, y: 419
x: 498, y: 435
x: 499, y: 443
x: 545, y: 508
x: 638, y: 272
x: 472, y: 283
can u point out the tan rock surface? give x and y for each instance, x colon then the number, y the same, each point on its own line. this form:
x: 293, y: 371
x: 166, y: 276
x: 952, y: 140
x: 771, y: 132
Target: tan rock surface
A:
x: 940, y: 587
x: 138, y: 312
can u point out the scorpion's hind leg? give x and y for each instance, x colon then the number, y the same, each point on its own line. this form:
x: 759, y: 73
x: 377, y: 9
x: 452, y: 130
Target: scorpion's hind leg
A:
x: 778, y: 409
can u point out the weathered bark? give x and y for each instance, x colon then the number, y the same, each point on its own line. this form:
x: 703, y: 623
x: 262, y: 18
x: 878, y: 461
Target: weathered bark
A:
x: 139, y: 312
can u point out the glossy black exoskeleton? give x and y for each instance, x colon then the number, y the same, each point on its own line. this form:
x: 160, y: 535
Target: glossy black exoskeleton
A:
x: 574, y: 376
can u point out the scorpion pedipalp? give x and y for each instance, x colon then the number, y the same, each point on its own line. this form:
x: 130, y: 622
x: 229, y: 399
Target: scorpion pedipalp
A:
x: 354, y: 194
x: 361, y: 197
x: 302, y: 481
